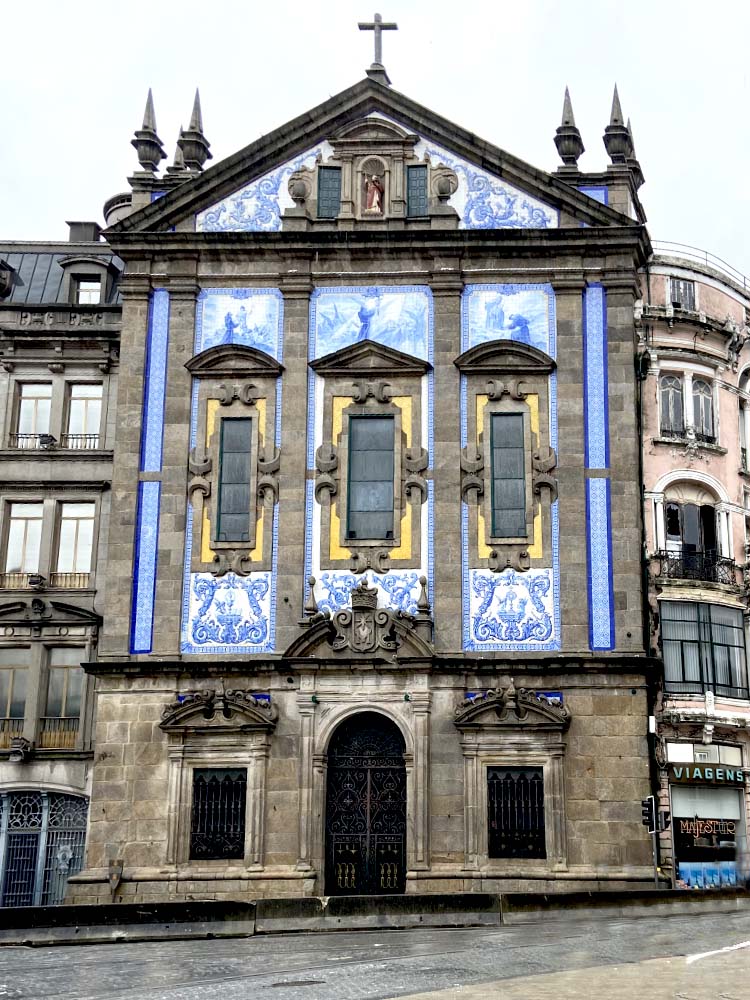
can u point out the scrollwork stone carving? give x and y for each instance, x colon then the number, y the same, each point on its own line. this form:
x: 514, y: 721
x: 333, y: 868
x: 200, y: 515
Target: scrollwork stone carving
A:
x: 326, y: 462
x: 364, y: 390
x: 247, y: 393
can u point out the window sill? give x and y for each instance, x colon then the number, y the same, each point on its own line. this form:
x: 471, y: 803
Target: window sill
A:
x: 684, y: 442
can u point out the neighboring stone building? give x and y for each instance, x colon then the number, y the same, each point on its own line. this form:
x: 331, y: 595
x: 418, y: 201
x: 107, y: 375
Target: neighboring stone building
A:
x: 693, y: 328
x: 374, y: 618
x: 59, y: 348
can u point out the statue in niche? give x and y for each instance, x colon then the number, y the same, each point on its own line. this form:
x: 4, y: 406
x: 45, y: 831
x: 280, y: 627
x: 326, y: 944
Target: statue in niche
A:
x: 374, y: 191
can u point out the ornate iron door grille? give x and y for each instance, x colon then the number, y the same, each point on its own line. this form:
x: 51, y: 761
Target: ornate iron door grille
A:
x: 366, y: 809
x: 217, y: 826
x: 515, y: 800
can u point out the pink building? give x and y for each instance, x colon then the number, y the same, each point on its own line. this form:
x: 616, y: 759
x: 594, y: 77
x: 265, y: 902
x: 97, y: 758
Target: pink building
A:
x: 693, y: 326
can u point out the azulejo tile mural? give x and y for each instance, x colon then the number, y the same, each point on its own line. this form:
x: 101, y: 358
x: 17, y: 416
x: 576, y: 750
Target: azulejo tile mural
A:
x: 228, y: 612
x: 248, y: 316
x: 514, y: 610
x: 398, y: 590
x: 257, y: 207
x: 523, y: 313
x: 397, y: 317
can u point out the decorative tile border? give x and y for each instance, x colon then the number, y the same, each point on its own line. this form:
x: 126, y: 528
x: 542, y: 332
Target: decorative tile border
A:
x: 144, y: 570
x: 155, y: 382
x: 600, y: 582
x: 595, y: 382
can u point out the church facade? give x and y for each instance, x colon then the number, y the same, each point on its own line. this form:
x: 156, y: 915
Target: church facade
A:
x: 374, y: 619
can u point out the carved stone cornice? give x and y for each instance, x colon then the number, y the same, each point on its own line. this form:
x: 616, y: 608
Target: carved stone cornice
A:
x: 234, y: 361
x: 218, y: 711
x: 510, y: 708
x: 499, y: 356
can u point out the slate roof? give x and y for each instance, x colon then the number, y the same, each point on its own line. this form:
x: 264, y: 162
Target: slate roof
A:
x: 38, y: 278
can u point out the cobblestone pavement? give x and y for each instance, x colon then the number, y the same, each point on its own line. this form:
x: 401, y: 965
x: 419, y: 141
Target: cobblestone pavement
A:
x: 607, y: 959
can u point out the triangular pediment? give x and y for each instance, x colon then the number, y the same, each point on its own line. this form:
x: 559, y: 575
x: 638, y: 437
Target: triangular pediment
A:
x: 496, y: 356
x: 510, y: 708
x: 242, y: 192
x: 219, y: 711
x: 234, y: 361
x: 368, y: 358
x: 374, y: 129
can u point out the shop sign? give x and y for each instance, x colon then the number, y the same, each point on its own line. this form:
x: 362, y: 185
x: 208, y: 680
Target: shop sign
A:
x: 707, y: 775
x: 708, y: 827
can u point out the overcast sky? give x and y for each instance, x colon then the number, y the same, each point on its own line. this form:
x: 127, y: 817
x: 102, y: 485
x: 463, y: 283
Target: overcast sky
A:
x: 74, y: 76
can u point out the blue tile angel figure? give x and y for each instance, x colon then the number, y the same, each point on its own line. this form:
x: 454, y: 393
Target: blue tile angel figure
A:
x: 367, y: 311
x: 229, y: 327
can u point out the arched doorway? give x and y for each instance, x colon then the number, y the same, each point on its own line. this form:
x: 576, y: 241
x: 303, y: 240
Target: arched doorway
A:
x: 366, y: 808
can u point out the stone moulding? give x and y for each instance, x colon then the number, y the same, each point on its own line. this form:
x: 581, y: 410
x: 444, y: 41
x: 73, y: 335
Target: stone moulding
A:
x: 229, y: 710
x: 494, y: 357
x: 511, y: 708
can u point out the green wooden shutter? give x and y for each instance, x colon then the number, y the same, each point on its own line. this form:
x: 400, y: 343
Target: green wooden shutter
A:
x: 370, y: 493
x: 329, y: 192
x: 233, y: 507
x: 508, y: 476
x: 416, y: 191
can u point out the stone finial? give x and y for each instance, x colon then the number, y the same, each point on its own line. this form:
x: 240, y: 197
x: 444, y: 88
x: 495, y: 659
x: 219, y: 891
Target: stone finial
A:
x: 567, y: 137
x: 311, y: 605
x: 617, y: 139
x: 633, y: 163
x: 193, y: 143
x: 178, y: 164
x: 147, y: 143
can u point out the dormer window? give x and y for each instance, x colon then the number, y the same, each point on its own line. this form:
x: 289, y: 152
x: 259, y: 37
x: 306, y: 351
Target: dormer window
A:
x: 88, y: 291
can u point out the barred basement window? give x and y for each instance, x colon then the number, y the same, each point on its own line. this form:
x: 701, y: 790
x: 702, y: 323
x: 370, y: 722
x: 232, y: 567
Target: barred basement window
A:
x: 217, y: 825
x: 515, y: 801
x: 416, y: 191
x: 370, y: 488
x: 234, y: 502
x: 508, y: 476
x: 329, y: 192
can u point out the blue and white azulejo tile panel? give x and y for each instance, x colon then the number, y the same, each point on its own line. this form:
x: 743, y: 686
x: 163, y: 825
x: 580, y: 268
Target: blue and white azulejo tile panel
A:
x: 511, y: 610
x: 228, y: 614
x: 155, y: 382
x: 595, y: 383
x: 144, y: 571
x: 397, y: 589
x: 523, y: 313
x: 399, y: 317
x: 252, y: 317
x: 600, y: 581
x: 257, y: 207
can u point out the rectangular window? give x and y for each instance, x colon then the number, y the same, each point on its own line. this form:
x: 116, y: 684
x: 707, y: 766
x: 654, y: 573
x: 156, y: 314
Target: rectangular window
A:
x: 515, y: 800
x: 234, y: 500
x: 416, y: 191
x: 84, y: 416
x: 24, y: 538
x: 76, y: 538
x: 65, y: 682
x: 217, y: 822
x: 704, y: 649
x: 34, y: 401
x: 682, y: 294
x: 370, y: 493
x: 508, y: 476
x: 329, y: 192
x: 14, y: 663
x: 88, y: 291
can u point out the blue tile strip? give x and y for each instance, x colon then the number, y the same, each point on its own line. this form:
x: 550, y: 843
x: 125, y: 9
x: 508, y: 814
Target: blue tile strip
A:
x: 144, y: 572
x: 596, y: 410
x: 600, y: 585
x: 157, y: 343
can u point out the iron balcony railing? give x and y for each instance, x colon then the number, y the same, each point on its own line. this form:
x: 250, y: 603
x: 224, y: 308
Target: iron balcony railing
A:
x: 695, y: 254
x: 58, y: 733
x: 8, y: 729
x: 34, y: 442
x: 707, y: 566
x: 69, y: 581
x: 80, y: 442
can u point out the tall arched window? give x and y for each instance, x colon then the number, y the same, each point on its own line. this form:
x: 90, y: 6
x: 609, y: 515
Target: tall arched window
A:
x: 703, y: 417
x: 672, y: 419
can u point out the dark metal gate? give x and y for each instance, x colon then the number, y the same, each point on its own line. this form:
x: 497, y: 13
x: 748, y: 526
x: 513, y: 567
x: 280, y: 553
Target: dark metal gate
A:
x: 366, y: 808
x: 515, y: 800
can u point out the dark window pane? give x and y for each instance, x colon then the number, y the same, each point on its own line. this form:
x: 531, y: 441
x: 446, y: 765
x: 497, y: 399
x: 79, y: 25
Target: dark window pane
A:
x: 370, y: 495
x: 515, y: 805
x: 18, y: 695
x: 416, y: 191
x: 217, y: 823
x: 73, y: 698
x: 691, y: 526
x: 329, y: 192
x: 508, y: 475
x: 234, y: 502
x: 55, y: 691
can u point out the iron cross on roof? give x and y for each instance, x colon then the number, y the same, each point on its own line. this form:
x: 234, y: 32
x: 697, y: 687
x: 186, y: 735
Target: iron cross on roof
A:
x: 378, y: 25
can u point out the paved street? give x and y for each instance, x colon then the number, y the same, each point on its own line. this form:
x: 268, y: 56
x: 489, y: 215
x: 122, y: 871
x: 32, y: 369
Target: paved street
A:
x: 654, y: 959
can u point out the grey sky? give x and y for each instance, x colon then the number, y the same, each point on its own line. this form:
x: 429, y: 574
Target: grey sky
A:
x: 74, y: 76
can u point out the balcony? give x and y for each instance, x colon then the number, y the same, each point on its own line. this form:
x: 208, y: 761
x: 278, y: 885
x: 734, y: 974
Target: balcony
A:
x: 15, y: 581
x: 32, y: 442
x: 708, y: 566
x: 57, y: 733
x: 8, y: 729
x: 69, y: 581
x: 80, y: 442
